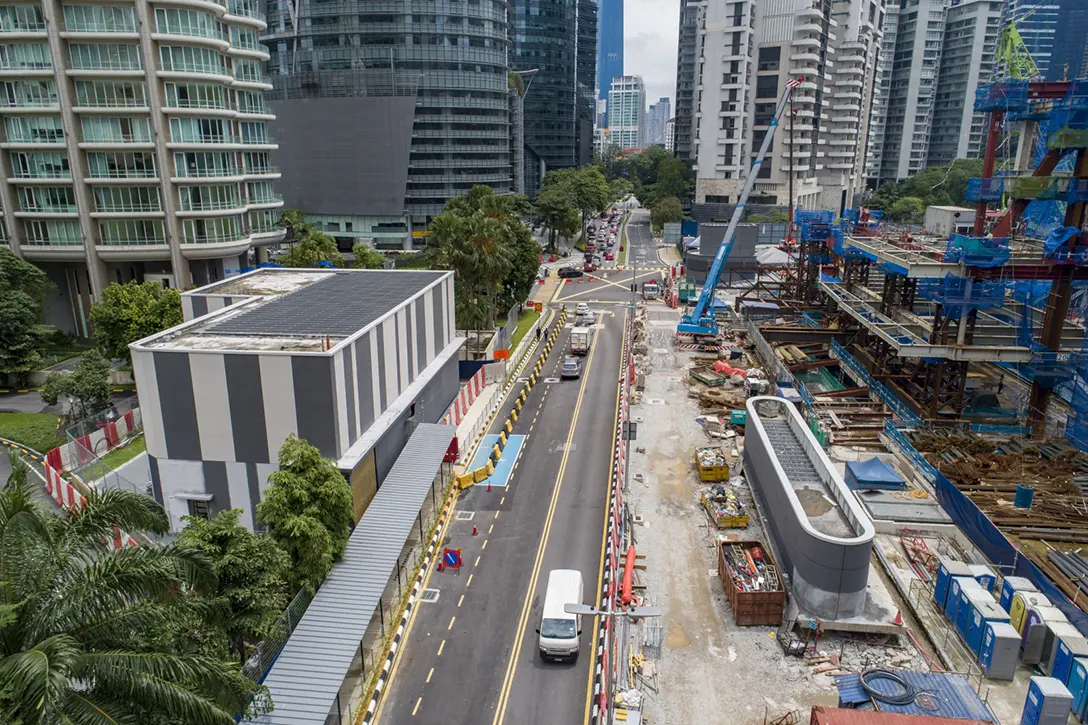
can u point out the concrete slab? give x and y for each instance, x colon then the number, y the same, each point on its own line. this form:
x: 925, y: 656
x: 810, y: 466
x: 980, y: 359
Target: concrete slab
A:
x: 900, y: 506
x: 877, y: 617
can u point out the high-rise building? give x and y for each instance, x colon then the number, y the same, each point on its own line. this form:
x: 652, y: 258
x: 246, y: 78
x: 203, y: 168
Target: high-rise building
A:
x: 557, y: 39
x: 384, y: 114
x: 881, y: 88
x: 1038, y: 21
x: 971, y: 34
x: 656, y: 118
x: 609, y: 45
x: 670, y: 134
x: 689, y: 45
x: 135, y: 144
x: 747, y: 52
x: 909, y: 87
x: 626, y: 112
x: 1070, y: 42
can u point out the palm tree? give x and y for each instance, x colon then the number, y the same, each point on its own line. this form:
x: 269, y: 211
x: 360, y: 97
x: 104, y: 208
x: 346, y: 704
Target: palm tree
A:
x: 80, y: 622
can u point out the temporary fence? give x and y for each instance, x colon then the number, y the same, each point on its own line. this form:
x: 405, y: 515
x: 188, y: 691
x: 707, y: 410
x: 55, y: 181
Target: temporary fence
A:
x: 472, y: 389
x: 94, y: 437
x: 256, y: 667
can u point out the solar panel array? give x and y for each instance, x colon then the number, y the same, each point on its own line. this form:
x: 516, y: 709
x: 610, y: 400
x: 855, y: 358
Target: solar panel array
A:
x: 339, y: 305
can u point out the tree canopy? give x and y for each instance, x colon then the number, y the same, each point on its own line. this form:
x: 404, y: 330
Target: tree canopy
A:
x: 79, y: 621
x: 131, y: 311
x: 366, y: 257
x: 88, y: 385
x: 666, y: 209
x: 652, y: 174
x: 22, y: 296
x: 935, y: 186
x: 308, y: 509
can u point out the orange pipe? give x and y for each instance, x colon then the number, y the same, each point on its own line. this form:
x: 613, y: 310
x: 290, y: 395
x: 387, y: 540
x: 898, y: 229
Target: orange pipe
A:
x: 628, y: 573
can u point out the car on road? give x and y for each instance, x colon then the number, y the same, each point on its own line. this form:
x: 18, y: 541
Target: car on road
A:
x: 589, y: 267
x: 572, y: 368
x: 609, y: 256
x: 581, y: 308
x: 559, y: 631
x: 568, y: 272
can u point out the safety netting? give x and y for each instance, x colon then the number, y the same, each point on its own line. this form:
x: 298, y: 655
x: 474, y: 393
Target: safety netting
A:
x: 987, y: 189
x: 1062, y: 244
x: 959, y: 295
x: 983, y: 252
x: 1009, y: 96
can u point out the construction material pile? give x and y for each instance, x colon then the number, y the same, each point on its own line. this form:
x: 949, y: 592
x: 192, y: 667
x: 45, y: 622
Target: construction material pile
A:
x: 712, y: 464
x: 724, y: 507
x: 749, y: 569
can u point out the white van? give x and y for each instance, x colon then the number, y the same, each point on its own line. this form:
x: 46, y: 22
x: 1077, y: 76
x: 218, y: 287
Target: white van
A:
x: 558, y: 630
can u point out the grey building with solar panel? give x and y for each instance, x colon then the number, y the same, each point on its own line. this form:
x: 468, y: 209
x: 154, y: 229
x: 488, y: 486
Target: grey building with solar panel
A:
x: 351, y: 360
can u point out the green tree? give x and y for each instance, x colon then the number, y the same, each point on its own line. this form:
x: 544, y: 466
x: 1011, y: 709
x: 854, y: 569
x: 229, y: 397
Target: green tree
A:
x: 88, y: 386
x: 22, y: 296
x: 308, y: 509
x: 908, y: 209
x: 294, y: 221
x: 592, y: 194
x: 312, y: 250
x: 524, y: 264
x: 251, y: 576
x: 132, y: 311
x: 937, y: 185
x: 555, y: 208
x: 75, y: 615
x: 620, y: 189
x: 366, y: 257
x: 771, y: 216
x: 664, y: 211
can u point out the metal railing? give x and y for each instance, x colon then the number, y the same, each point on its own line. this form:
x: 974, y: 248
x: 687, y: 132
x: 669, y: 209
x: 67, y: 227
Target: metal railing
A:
x: 907, y: 449
x: 904, y: 414
x: 260, y: 662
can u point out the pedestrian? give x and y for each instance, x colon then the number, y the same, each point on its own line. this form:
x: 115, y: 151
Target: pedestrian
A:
x: 538, y: 333
x: 1000, y: 383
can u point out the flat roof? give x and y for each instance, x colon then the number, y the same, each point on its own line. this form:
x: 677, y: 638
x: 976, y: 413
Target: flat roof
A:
x: 308, y: 673
x: 295, y: 310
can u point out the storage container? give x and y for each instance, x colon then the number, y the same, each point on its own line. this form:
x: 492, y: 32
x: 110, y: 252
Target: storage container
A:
x: 1048, y: 702
x: 752, y: 607
x: 1000, y: 651
x: 712, y: 464
x: 1012, y: 584
x: 946, y: 569
x: 986, y: 612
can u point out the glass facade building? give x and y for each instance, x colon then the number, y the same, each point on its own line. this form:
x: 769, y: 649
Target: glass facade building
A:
x: 609, y: 46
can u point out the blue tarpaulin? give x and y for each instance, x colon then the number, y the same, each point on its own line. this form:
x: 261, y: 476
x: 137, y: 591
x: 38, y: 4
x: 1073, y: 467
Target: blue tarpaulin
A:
x: 871, y: 474
x: 1056, y: 240
x: 949, y: 695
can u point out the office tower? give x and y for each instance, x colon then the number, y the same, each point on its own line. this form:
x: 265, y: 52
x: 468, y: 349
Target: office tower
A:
x: 609, y: 45
x: 558, y: 40
x: 656, y: 118
x: 670, y: 134
x: 135, y: 144
x: 1038, y: 21
x: 688, y: 50
x: 747, y: 52
x: 971, y: 34
x: 908, y: 90
x: 626, y: 112
x: 384, y: 114
x: 1070, y: 42
x: 881, y: 88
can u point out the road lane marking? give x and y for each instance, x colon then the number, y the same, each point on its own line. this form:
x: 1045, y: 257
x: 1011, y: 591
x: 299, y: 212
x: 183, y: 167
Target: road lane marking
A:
x: 477, y: 561
x: 604, y: 542
x: 416, y: 708
x: 625, y: 287
x: 484, y: 546
x: 441, y: 647
x: 491, y: 529
x: 460, y: 600
x: 429, y: 676
x: 511, y: 666
x: 501, y: 500
x: 452, y: 620
x: 500, y: 504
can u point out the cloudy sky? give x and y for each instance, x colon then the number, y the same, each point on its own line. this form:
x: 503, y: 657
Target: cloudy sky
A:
x: 649, y: 45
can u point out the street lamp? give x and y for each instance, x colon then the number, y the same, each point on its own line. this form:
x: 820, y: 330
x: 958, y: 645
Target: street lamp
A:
x: 632, y: 612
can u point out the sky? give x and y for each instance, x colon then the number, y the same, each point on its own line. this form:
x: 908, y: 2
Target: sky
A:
x: 649, y: 45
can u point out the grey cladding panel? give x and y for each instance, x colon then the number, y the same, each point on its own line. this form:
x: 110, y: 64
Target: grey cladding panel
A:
x: 215, y: 483
x: 315, y: 412
x: 200, y: 306
x: 340, y: 154
x: 175, y: 382
x: 246, y: 408
x: 156, y: 480
x: 420, y: 316
x: 348, y: 357
x: 364, y: 380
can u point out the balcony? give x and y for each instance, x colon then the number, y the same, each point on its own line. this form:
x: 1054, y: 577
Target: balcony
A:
x: 61, y: 249
x: 135, y: 248
x: 246, y: 11
x: 806, y: 70
x: 809, y: 28
x: 812, y: 58
x: 210, y: 246
x: 222, y: 173
x: 267, y: 170
x: 203, y: 71
x: 265, y: 200
x: 21, y: 21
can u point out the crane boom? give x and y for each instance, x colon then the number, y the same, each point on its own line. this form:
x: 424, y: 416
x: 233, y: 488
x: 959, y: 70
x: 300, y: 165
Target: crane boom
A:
x: 701, y: 320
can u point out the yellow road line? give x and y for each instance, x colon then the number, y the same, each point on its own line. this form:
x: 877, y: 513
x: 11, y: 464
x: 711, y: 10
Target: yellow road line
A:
x: 501, y: 500
x: 604, y: 542
x: 452, y: 620
x: 469, y: 582
x: 429, y: 676
x: 511, y: 666
x: 500, y: 504
x: 460, y: 600
x: 625, y: 287
x: 484, y: 546
x: 491, y: 529
x: 477, y: 561
x: 441, y: 647
x: 416, y: 708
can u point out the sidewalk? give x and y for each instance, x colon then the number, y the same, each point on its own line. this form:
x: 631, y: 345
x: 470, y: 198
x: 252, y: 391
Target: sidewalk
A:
x: 669, y: 256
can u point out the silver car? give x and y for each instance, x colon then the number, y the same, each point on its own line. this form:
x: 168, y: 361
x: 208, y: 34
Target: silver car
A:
x: 572, y: 368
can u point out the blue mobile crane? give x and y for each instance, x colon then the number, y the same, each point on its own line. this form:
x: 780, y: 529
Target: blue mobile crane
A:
x: 701, y: 322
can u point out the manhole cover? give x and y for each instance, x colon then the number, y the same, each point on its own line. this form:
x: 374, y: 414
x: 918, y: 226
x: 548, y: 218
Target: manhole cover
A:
x: 465, y: 515
x: 429, y: 595
x: 551, y: 380
x: 655, y: 401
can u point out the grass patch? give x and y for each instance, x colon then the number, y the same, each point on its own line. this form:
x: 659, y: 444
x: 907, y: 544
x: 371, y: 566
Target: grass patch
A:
x: 526, y: 318
x: 33, y: 430
x: 623, y: 246
x: 120, y: 456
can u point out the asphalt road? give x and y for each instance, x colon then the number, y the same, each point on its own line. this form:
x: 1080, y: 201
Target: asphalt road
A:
x: 642, y: 248
x: 471, y: 656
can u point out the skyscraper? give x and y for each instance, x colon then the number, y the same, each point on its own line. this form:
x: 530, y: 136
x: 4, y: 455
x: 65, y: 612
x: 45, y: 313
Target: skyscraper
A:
x: 626, y: 112
x: 609, y: 45
x: 1038, y: 21
x: 387, y: 113
x: 135, y: 144
x: 656, y: 118
x: 557, y: 39
x: 1070, y: 42
x: 687, y: 52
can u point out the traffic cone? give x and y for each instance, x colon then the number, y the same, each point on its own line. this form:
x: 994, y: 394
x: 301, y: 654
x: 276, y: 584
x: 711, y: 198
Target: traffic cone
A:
x: 898, y: 622
x: 441, y: 566
x: 474, y: 531
x: 489, y: 488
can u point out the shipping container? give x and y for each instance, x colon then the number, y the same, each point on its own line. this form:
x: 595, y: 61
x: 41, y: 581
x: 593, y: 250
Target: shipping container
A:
x: 752, y: 607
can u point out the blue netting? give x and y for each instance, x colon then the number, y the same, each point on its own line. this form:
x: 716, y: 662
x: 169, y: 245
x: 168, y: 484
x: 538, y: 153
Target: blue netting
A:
x: 959, y: 295
x: 1031, y: 292
x: 813, y: 216
x: 977, y: 251
x: 985, y: 189
x: 1008, y: 95
x: 1041, y: 217
x: 815, y: 232
x: 1076, y: 421
x: 1061, y: 246
x: 1077, y: 191
x: 1076, y: 98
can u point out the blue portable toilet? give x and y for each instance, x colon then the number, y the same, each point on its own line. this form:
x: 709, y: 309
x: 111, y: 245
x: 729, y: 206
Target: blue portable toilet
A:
x: 1048, y: 702
x: 945, y: 571
x: 968, y: 594
x: 985, y: 576
x: 955, y: 594
x: 1068, y: 649
x: 1000, y: 651
x: 986, y: 611
x: 1078, y: 687
x: 1010, y: 586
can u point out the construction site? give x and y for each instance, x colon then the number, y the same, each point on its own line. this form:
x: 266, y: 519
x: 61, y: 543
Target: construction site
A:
x: 861, y: 481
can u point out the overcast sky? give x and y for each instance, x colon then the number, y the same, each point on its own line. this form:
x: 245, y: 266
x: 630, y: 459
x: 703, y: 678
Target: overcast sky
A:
x: 649, y: 45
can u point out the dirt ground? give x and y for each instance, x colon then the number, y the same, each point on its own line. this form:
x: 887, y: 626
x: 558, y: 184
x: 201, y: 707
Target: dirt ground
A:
x: 709, y: 670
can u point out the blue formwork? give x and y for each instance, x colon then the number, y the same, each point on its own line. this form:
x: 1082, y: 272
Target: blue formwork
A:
x: 946, y: 569
x: 987, y: 189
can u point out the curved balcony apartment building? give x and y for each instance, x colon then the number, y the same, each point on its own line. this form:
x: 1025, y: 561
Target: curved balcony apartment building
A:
x: 135, y: 143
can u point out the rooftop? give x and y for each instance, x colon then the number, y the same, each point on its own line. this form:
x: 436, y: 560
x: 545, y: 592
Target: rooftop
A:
x: 296, y: 310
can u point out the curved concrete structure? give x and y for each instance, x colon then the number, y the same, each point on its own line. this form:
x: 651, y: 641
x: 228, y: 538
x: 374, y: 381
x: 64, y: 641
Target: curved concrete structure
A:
x: 822, y: 535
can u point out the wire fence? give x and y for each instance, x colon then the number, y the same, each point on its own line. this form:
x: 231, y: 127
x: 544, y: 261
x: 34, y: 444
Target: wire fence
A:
x: 265, y: 654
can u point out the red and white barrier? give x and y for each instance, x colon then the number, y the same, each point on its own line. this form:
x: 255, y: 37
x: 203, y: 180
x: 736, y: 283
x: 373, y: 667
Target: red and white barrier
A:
x: 66, y: 495
x: 471, y: 390
x: 83, y: 450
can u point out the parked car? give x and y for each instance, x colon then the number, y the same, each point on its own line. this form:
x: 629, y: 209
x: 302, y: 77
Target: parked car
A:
x: 610, y: 256
x: 589, y: 267
x: 572, y: 368
x: 566, y: 272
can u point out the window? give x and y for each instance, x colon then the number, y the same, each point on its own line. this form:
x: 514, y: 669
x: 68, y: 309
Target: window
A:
x: 251, y: 102
x: 55, y: 199
x: 210, y: 231
x: 131, y: 231
x: 21, y: 19
x: 54, y: 231
x: 173, y: 21
x: 248, y: 70
x: 25, y: 56
x: 40, y: 165
x: 196, y: 95
x: 200, y: 130
x: 119, y: 94
x: 264, y: 221
x: 133, y: 165
x: 767, y: 87
x: 100, y: 18
x: 114, y: 129
x: 209, y: 198
x: 199, y: 508
x: 127, y: 198
x: 261, y: 192
x: 244, y: 38
x: 34, y: 129
x: 769, y: 57
x: 716, y: 199
x: 764, y: 114
x: 104, y: 56
x: 253, y: 132
x: 191, y: 60
x: 205, y: 164
x: 15, y: 94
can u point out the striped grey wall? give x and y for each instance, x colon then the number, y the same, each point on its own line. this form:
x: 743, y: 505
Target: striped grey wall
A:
x: 243, y: 377
x: 175, y: 388
x: 215, y: 483
x: 315, y: 409
x: 365, y: 355
x: 347, y: 361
